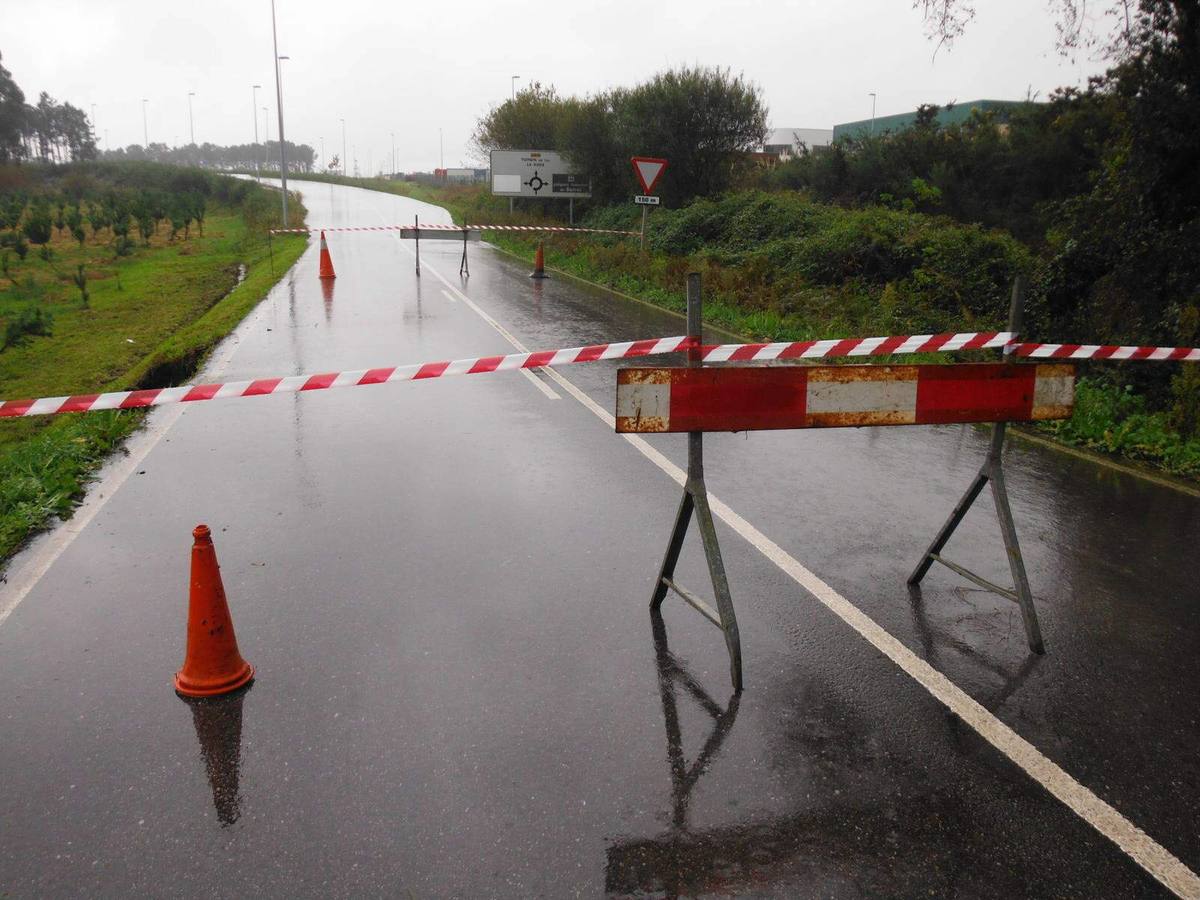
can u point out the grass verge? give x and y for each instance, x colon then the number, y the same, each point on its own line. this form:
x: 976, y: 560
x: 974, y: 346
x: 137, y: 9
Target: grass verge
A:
x: 151, y: 319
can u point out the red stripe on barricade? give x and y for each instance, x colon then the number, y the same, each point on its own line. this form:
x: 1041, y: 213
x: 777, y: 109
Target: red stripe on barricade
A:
x: 971, y: 393
x: 540, y: 358
x: 261, y: 386
x: 979, y: 340
x: 889, y: 346
x: 645, y: 348
x: 81, y: 403
x: 590, y: 354
x: 486, y: 364
x: 745, y: 352
x: 139, y: 399
x: 376, y: 376
x: 431, y: 370
x: 15, y: 407
x: 796, y: 350
x: 202, y: 392
x: 320, y: 382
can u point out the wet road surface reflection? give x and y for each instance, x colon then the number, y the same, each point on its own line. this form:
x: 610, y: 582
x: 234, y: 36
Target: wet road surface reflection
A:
x: 218, y: 724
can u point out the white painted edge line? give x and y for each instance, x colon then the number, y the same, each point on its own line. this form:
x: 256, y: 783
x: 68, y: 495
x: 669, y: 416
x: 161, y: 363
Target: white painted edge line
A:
x: 1104, y: 818
x: 46, y: 551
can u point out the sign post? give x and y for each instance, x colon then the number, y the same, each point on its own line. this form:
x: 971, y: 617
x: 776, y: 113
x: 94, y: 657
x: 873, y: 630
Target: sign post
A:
x: 648, y: 169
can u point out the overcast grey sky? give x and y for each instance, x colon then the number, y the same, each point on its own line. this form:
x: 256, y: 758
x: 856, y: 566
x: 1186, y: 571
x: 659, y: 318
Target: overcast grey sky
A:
x: 413, y: 68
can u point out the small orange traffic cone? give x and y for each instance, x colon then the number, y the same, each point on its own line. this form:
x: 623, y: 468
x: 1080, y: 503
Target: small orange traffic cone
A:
x: 326, y: 262
x: 539, y: 264
x: 213, y: 664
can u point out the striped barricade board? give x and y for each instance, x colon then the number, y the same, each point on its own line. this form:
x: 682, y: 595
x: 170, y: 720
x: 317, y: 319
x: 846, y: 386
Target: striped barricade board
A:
x: 426, y: 233
x: 760, y: 398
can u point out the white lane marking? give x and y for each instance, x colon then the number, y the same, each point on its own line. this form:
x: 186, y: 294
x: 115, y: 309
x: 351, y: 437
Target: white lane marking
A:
x: 45, y: 553
x: 1130, y: 839
x: 451, y: 291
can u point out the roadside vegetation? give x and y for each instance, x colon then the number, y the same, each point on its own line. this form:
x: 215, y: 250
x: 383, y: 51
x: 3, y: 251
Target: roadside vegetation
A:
x: 1093, y: 195
x: 112, y: 277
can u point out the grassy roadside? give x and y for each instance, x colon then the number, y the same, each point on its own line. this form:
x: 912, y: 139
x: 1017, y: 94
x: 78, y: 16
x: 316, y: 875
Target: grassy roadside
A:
x: 780, y: 269
x: 150, y: 319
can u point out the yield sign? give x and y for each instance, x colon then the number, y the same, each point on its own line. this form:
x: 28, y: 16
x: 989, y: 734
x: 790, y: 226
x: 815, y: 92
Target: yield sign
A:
x: 648, y: 170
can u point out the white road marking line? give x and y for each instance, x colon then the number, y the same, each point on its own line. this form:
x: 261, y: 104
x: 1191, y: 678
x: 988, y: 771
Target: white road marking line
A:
x: 1104, y: 818
x: 450, y: 291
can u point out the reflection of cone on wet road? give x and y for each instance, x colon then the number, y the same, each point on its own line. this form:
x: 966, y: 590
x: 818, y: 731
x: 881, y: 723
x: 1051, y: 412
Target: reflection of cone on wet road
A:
x: 213, y: 664
x: 218, y: 722
x: 326, y: 261
x: 539, y: 264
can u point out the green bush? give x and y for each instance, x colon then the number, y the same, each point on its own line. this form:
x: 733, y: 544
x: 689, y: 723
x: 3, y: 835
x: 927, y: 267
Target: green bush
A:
x: 28, y: 322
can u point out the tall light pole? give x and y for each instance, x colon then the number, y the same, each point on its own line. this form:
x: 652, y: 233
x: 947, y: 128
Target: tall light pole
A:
x: 266, y: 139
x: 323, y: 153
x: 441, y: 151
x: 145, y: 128
x: 343, y: 121
x: 872, y: 112
x: 191, y: 118
x: 279, y: 105
x: 254, y: 89
x: 393, y: 154
x: 93, y: 122
x: 514, y: 86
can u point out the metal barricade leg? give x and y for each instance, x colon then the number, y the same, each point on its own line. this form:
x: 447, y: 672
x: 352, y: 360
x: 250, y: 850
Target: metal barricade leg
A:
x: 695, y: 499
x: 992, y: 472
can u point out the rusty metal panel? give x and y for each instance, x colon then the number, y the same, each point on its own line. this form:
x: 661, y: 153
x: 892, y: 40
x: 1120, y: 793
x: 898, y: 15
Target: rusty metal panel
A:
x: 750, y: 398
x: 643, y: 400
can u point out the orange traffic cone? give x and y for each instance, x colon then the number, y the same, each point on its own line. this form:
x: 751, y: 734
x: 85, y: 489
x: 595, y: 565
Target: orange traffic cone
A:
x: 326, y: 262
x: 213, y: 664
x: 539, y: 264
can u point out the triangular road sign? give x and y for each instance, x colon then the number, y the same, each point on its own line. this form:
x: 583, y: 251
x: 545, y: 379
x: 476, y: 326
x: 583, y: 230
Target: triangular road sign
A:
x: 648, y: 170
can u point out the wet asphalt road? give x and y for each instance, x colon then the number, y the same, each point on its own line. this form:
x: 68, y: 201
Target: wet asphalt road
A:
x: 443, y: 587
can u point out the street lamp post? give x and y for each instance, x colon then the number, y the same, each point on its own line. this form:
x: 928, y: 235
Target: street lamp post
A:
x: 191, y: 118
x: 441, y: 151
x: 254, y: 88
x: 872, y: 112
x: 393, y: 154
x: 279, y: 105
x: 343, y: 121
x: 323, y: 153
x: 145, y: 127
x: 266, y: 138
x: 514, y: 86
x: 93, y: 122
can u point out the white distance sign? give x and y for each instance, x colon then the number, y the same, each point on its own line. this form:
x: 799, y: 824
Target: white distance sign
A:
x: 537, y: 173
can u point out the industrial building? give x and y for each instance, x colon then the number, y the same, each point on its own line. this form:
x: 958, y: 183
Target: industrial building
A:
x: 950, y: 114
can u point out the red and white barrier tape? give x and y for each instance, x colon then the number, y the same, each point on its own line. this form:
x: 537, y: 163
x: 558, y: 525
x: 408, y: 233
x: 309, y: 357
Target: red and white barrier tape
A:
x: 528, y: 228
x: 850, y: 347
x: 47, y: 406
x: 873, y: 346
x: 1107, y: 351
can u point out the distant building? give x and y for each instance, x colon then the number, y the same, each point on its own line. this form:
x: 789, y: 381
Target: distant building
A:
x: 784, y: 143
x: 955, y: 114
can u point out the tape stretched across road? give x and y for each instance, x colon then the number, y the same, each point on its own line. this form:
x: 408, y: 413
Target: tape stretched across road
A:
x: 295, y: 383
x: 555, y: 229
x: 1108, y: 351
x: 848, y: 347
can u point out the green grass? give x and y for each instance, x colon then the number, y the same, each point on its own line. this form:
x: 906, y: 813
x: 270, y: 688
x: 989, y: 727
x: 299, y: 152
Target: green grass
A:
x: 1117, y: 421
x: 151, y: 318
